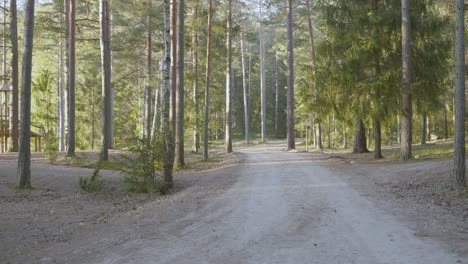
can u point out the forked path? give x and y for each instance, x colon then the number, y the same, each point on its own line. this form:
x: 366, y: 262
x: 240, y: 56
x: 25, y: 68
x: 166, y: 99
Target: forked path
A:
x: 274, y: 207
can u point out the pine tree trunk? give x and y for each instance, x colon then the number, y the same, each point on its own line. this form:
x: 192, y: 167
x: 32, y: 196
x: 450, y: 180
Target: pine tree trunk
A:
x: 14, y: 128
x: 179, y: 129
x: 276, y: 96
x: 23, y: 173
x: 71, y: 83
x: 359, y: 145
x: 319, y: 136
x: 207, y: 82
x: 459, y: 131
x: 61, y: 101
x: 249, y: 88
x: 168, y: 149
x: 290, y: 100
x: 173, y: 17
x: 345, y: 137
x: 319, y: 142
x: 4, y: 139
x: 154, y: 123
x: 423, y: 128
x: 245, y: 91
x: 228, y: 127
x: 428, y: 127
x: 149, y: 77
x: 446, y: 133
x: 106, y: 78
x: 93, y: 118
x: 406, y: 124
x: 262, y: 76
x: 377, y: 140
x: 398, y: 130
x: 196, y: 101
x: 329, y: 133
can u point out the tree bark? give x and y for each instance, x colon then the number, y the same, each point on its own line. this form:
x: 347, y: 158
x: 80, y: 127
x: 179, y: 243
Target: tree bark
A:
x: 168, y: 149
x: 345, y: 137
x: 446, y: 133
x: 407, y: 111
x: 276, y: 96
x: 14, y: 128
x: 377, y: 139
x: 359, y: 145
x: 262, y: 76
x: 290, y: 100
x: 106, y: 78
x: 228, y: 125
x: 319, y: 142
x: 207, y: 82
x: 329, y: 133
x: 459, y: 131
x: 173, y: 72
x: 71, y: 83
x: 179, y: 141
x: 23, y: 173
x: 61, y: 101
x: 149, y: 76
x: 423, y: 128
x: 245, y: 91
x: 319, y: 136
x: 196, y: 101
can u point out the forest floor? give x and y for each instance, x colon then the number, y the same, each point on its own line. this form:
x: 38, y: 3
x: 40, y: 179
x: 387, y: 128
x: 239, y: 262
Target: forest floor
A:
x: 259, y: 205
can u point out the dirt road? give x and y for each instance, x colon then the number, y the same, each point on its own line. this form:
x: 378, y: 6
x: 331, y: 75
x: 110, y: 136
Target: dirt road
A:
x: 273, y: 207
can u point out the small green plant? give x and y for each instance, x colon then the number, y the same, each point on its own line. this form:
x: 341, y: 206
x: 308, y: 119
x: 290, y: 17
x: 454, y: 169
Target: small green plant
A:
x: 51, y: 148
x: 142, y: 168
x: 91, y: 183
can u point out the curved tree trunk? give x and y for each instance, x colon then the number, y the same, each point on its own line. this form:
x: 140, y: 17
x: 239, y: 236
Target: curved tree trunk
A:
x: 23, y: 173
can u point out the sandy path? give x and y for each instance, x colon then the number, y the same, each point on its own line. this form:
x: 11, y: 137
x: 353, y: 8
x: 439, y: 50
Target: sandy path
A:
x: 274, y: 207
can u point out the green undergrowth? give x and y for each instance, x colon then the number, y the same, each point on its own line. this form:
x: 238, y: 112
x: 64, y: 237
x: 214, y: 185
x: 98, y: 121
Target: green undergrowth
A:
x: 429, y: 151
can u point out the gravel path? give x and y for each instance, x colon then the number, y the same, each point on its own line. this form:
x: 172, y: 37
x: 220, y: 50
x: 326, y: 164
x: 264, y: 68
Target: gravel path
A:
x: 273, y: 207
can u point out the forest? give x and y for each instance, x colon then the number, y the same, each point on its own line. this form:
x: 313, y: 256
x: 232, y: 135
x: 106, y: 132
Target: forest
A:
x: 358, y: 75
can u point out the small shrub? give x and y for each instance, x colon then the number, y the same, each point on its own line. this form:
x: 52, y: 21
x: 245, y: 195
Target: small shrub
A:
x: 142, y: 169
x: 91, y: 183
x: 51, y: 147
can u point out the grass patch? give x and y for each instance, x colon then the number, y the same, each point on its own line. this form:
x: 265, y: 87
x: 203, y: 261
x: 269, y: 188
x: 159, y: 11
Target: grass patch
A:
x: 429, y: 151
x: 423, y: 152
